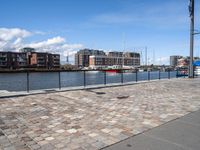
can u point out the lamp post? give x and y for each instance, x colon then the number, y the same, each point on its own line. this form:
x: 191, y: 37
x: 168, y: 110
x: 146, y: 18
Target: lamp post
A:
x: 191, y: 10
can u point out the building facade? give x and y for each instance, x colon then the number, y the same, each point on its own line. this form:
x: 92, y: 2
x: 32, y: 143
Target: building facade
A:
x: 13, y: 60
x: 183, y: 62
x: 174, y: 60
x: 30, y: 59
x: 115, y: 59
x: 180, y: 61
x: 54, y: 61
x: 39, y: 60
x: 82, y: 57
x: 99, y: 59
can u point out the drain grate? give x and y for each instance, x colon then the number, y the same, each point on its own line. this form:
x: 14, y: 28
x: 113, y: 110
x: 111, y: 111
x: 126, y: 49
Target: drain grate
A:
x: 122, y: 97
x: 100, y: 93
x: 129, y: 145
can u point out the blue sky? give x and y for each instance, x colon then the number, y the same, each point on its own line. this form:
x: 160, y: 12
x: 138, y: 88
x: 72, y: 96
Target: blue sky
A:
x: 64, y: 26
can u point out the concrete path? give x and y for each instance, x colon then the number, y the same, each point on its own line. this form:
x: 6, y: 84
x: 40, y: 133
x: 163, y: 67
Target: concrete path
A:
x: 95, y: 118
x: 180, y: 134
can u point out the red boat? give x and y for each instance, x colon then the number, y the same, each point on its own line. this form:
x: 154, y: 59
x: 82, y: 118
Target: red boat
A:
x: 113, y: 70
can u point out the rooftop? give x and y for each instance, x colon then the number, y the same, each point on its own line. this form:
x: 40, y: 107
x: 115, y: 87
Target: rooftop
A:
x: 94, y: 119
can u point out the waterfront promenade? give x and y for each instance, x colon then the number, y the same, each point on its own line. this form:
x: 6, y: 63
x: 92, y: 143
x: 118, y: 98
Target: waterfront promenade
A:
x: 94, y: 118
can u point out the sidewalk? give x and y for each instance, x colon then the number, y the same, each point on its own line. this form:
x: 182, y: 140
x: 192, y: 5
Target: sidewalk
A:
x: 93, y: 119
x: 180, y: 134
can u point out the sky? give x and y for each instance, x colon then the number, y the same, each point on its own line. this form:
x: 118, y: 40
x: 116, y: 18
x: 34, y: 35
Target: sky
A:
x: 65, y: 26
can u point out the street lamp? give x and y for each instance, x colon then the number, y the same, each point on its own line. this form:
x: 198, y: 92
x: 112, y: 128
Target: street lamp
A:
x: 191, y: 10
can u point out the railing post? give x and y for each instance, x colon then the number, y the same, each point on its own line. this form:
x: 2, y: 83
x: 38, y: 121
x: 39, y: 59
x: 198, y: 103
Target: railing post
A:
x: 104, y: 77
x: 122, y: 76
x: 168, y: 74
x: 149, y: 75
x: 159, y: 75
x: 59, y: 80
x: 27, y: 82
x: 136, y: 76
x: 184, y: 73
x: 177, y: 73
x: 84, y: 78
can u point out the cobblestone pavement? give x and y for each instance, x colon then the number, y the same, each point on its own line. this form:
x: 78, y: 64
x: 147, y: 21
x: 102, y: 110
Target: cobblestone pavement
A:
x: 93, y: 119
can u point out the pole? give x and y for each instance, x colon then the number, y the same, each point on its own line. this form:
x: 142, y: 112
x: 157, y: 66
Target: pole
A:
x: 149, y: 75
x: 104, y: 77
x: 59, y: 82
x: 153, y: 57
x: 122, y: 76
x: 136, y: 76
x: 84, y: 78
x: 146, y: 56
x: 191, y: 9
x: 159, y: 75
x: 27, y: 81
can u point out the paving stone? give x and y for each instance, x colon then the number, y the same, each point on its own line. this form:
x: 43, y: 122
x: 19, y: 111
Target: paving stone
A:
x: 47, y: 147
x: 85, y: 120
x: 49, y: 138
x: 72, y: 130
x: 9, y: 148
x: 1, y: 133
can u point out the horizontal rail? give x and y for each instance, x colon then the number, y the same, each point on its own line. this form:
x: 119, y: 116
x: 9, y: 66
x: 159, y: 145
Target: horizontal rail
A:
x: 84, y: 79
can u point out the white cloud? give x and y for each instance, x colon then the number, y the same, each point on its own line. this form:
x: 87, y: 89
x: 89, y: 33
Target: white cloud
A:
x: 57, y: 45
x: 50, y: 42
x: 12, y: 39
x: 7, y: 34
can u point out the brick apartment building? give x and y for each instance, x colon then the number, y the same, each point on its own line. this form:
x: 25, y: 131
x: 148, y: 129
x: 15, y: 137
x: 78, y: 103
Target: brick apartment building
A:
x: 82, y: 57
x: 28, y: 59
x: 98, y: 58
x: 115, y: 59
x: 13, y: 60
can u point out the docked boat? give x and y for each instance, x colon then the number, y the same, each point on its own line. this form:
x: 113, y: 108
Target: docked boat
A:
x: 113, y: 70
x: 197, y: 71
x: 197, y: 67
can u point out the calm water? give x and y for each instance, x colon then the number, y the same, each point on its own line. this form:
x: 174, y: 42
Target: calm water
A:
x: 48, y: 80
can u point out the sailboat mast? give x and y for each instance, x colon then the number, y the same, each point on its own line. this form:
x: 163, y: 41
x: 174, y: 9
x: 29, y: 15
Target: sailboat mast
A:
x: 146, y: 56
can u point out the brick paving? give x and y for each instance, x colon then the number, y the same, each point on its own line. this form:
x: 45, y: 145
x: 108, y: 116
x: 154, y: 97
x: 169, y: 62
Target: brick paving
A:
x: 93, y: 119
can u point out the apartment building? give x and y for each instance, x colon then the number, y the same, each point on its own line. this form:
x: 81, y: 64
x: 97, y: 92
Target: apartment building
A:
x: 54, y: 61
x: 39, y: 60
x: 28, y: 59
x: 174, y: 60
x: 13, y: 60
x: 82, y: 57
x: 4, y: 60
x: 115, y: 59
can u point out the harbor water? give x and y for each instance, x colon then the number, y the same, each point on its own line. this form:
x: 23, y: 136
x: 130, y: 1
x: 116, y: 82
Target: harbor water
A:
x: 50, y: 80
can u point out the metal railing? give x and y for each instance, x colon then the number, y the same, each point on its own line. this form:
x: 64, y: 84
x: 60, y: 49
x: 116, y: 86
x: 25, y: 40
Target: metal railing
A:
x: 37, y: 80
